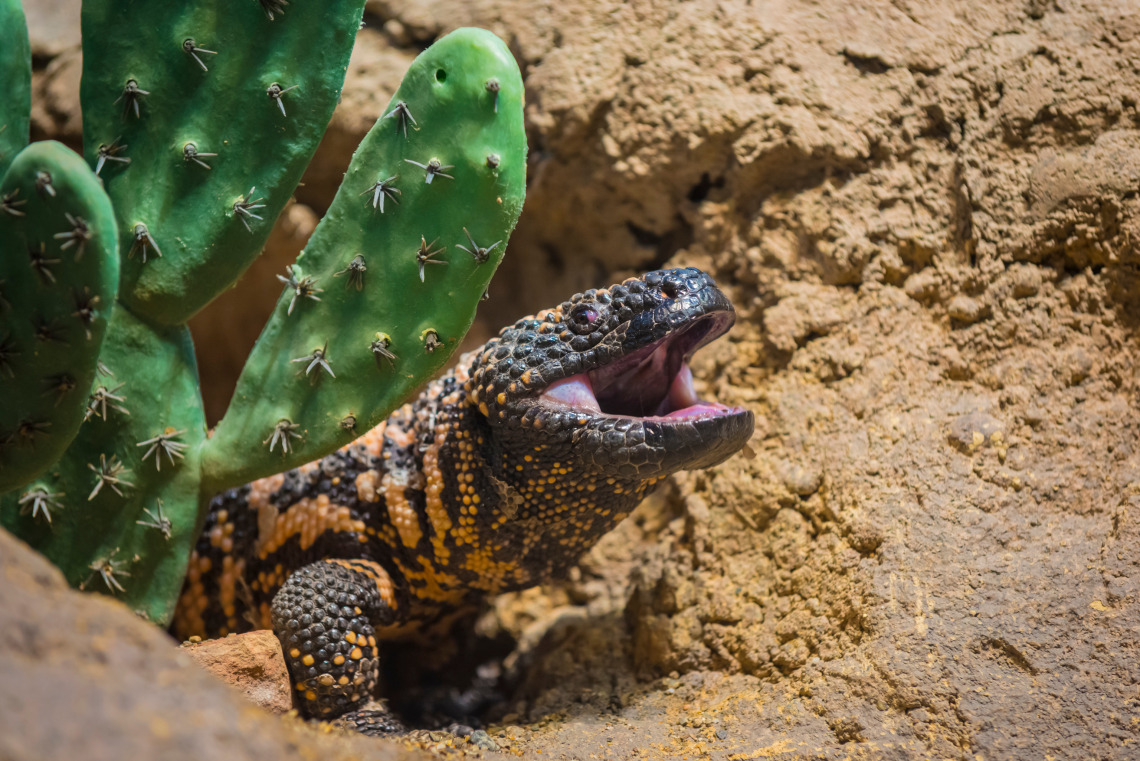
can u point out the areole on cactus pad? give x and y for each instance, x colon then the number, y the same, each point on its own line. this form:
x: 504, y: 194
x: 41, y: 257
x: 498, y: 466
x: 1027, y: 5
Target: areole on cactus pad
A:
x: 199, y: 120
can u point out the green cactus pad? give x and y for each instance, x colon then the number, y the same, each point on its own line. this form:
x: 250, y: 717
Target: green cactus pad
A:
x: 59, y: 270
x: 15, y: 81
x: 382, y: 295
x: 107, y: 532
x: 254, y: 83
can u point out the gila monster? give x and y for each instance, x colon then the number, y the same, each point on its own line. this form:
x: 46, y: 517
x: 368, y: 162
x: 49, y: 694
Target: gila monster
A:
x: 498, y: 477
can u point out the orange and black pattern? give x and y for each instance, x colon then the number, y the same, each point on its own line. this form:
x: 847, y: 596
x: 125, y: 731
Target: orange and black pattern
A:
x: 471, y: 490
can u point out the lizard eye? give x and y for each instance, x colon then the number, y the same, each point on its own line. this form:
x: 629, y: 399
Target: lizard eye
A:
x: 583, y: 318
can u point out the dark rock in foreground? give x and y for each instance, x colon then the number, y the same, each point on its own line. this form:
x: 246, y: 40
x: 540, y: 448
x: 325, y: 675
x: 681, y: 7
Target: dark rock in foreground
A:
x: 82, y: 678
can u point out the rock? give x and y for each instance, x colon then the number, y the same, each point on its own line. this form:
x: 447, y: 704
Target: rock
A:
x: 1025, y: 280
x: 806, y: 312
x: 85, y: 678
x: 972, y: 431
x: 251, y: 662
x: 864, y: 537
x: 1078, y: 365
x: 1065, y: 175
x: 801, y: 479
x: 923, y: 286
x: 966, y: 309
x: 480, y: 739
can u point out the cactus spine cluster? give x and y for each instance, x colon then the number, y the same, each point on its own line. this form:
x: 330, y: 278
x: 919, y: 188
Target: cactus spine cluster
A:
x: 199, y: 120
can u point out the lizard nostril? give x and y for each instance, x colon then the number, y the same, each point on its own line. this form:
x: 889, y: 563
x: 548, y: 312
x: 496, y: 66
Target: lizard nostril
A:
x: 670, y: 288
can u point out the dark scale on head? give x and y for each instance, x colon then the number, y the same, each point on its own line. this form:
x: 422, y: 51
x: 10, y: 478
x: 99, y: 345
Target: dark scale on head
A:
x: 498, y: 477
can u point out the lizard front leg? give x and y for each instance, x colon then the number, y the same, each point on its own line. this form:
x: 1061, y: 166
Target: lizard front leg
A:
x: 326, y: 616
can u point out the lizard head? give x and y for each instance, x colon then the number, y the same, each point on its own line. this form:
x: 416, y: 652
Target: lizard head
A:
x: 603, y: 380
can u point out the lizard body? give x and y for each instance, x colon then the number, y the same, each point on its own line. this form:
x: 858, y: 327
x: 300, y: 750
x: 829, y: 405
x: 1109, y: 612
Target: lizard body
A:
x: 496, y: 478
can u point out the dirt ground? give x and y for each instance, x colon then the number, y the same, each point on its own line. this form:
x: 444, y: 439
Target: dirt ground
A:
x: 928, y: 216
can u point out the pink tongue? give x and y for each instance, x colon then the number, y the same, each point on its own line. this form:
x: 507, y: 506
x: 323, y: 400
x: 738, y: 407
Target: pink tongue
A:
x: 574, y: 392
x: 681, y: 392
x: 683, y: 400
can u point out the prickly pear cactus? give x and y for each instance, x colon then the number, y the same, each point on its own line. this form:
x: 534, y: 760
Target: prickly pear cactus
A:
x: 390, y: 279
x: 59, y: 270
x: 16, y: 75
x: 199, y: 117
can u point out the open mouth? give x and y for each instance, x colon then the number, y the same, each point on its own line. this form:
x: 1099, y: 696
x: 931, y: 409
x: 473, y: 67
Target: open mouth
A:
x: 652, y: 382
